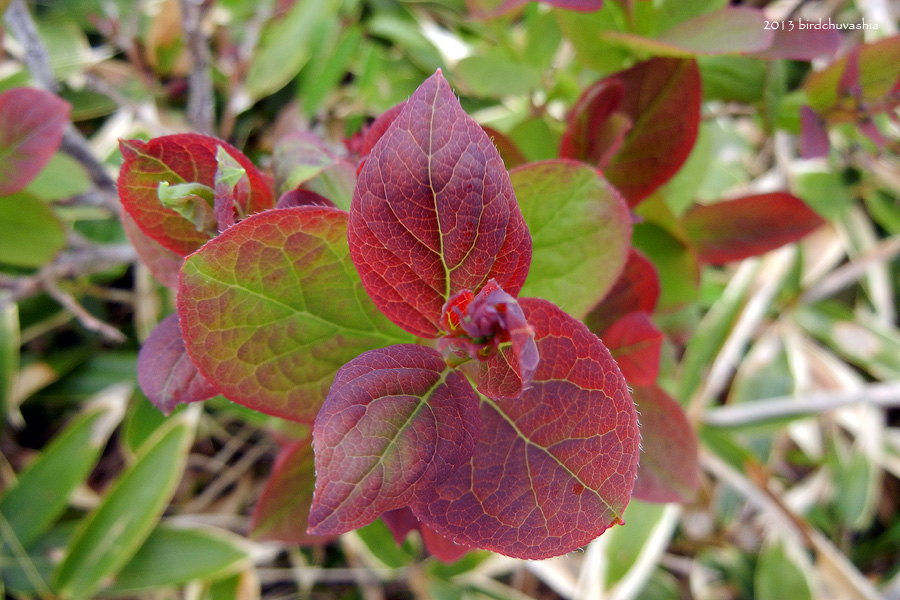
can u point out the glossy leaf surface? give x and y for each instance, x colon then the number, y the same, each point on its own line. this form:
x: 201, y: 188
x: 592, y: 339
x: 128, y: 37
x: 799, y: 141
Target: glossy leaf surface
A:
x: 396, y: 420
x: 32, y: 123
x: 637, y: 288
x: 737, y: 229
x: 669, y: 469
x: 273, y: 307
x: 661, y: 99
x: 580, y: 231
x: 554, y: 468
x: 635, y: 342
x: 165, y: 371
x: 178, y: 159
x: 434, y: 213
x: 282, y: 512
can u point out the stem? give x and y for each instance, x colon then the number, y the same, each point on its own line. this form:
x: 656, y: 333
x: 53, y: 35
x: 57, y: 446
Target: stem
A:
x: 201, y: 102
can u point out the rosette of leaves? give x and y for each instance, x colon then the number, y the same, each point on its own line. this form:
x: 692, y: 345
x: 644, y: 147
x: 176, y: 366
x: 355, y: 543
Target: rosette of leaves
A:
x: 499, y: 422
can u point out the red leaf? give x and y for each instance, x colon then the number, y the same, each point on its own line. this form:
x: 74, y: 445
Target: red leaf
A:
x: 165, y: 371
x: 162, y: 262
x: 298, y: 158
x: 440, y: 547
x: 400, y: 521
x: 301, y: 197
x: 813, y: 135
x: 737, y: 229
x: 491, y: 327
x: 636, y: 289
x: 587, y: 136
x: 177, y: 159
x: 669, y: 468
x: 396, y: 420
x: 553, y: 469
x: 282, y: 512
x: 378, y: 127
x: 661, y: 99
x: 635, y: 343
x: 434, y: 213
x: 32, y: 123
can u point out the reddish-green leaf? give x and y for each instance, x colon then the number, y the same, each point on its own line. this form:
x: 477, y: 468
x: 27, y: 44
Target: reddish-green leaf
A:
x: 162, y: 262
x: 554, y: 468
x: 282, y: 512
x: 165, y: 371
x: 396, y: 420
x: 434, y: 213
x: 637, y: 288
x: 669, y: 469
x: 635, y: 342
x: 301, y: 197
x: 878, y: 69
x: 661, y: 99
x: 32, y: 123
x: 273, y: 307
x: 174, y: 160
x: 736, y: 229
x: 569, y: 208
x: 298, y: 157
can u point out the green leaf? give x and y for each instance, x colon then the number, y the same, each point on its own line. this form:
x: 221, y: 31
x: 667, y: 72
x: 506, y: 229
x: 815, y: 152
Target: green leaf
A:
x: 285, y: 47
x: 324, y: 72
x: 569, y: 207
x: 289, y: 310
x: 62, y: 177
x: 174, y: 555
x: 496, y: 75
x: 585, y: 30
x: 732, y: 78
x: 110, y: 535
x: 824, y: 191
x: 42, y: 491
x: 406, y: 34
x: 10, y: 340
x: 625, y: 544
x: 778, y: 576
x: 677, y: 267
x: 30, y: 233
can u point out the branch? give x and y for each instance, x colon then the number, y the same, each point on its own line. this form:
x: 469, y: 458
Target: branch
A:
x: 201, y: 103
x: 879, y: 394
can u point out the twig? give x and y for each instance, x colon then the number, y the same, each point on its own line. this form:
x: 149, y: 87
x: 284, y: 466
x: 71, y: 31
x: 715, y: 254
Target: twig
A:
x: 879, y: 394
x: 36, y: 58
x: 72, y: 264
x: 847, y: 274
x: 201, y: 103
x: 68, y: 302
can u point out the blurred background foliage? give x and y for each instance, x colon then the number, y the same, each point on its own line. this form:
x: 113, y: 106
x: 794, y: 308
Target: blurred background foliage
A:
x: 788, y: 364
